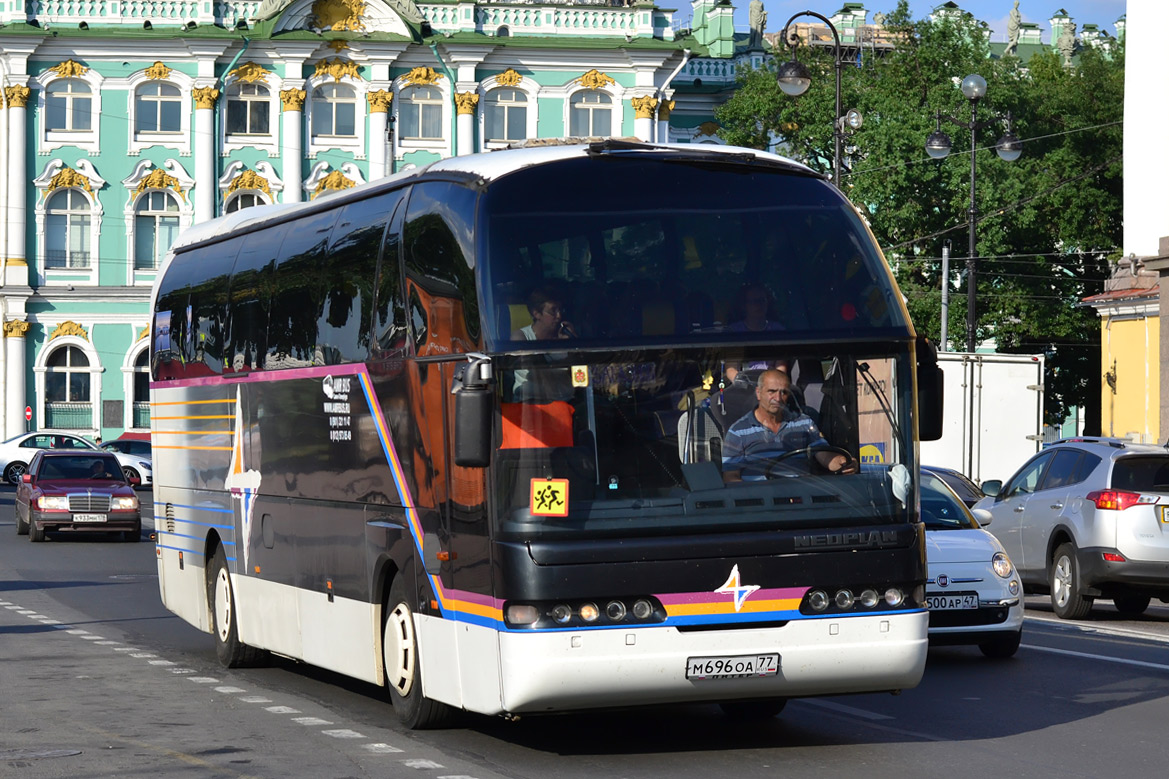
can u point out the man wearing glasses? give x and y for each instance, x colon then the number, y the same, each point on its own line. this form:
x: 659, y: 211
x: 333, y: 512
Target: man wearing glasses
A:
x: 753, y: 444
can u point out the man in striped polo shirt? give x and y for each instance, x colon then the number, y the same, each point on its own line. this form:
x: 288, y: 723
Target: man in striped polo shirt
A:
x: 752, y: 443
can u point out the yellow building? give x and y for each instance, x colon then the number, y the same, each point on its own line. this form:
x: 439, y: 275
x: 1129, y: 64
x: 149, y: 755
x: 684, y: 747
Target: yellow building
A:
x: 1130, y: 347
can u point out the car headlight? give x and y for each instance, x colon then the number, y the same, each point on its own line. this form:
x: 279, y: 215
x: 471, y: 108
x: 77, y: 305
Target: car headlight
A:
x: 124, y: 504
x: 144, y: 466
x: 59, y: 502
x: 1001, y: 564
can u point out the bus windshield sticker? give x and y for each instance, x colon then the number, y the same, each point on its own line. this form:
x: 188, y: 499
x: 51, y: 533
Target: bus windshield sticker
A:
x: 580, y: 375
x: 549, y: 498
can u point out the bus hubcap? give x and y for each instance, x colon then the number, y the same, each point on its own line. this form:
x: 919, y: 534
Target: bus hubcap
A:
x: 222, y: 604
x: 399, y: 649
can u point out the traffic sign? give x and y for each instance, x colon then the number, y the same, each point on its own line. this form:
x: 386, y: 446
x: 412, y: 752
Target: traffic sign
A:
x: 28, y: 413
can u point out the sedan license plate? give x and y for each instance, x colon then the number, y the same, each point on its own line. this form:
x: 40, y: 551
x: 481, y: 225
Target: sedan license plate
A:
x: 732, y: 667
x: 89, y: 517
x: 958, y: 600
x: 1164, y: 513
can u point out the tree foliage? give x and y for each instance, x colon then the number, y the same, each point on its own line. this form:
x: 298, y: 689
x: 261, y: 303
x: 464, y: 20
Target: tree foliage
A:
x: 1046, y: 225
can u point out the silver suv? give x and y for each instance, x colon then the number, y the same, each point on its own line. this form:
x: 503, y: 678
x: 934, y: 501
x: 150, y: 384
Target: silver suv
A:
x: 1087, y: 518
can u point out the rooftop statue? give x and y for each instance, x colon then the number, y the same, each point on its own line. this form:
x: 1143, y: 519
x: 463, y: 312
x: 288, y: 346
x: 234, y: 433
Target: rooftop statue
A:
x: 270, y: 9
x: 1067, y: 43
x: 757, y: 18
x: 1013, y: 31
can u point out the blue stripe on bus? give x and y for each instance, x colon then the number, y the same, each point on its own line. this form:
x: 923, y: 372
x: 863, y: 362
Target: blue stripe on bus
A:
x: 193, y: 538
x: 201, y: 524
x: 212, y: 509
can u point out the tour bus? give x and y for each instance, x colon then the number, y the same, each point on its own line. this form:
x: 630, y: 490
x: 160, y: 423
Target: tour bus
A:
x: 374, y: 456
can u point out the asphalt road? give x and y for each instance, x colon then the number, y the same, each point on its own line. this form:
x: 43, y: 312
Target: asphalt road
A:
x: 98, y: 680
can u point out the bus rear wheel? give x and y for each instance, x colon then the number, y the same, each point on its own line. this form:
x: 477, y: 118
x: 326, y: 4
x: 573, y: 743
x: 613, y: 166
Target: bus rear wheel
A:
x: 232, y: 652
x: 404, y: 667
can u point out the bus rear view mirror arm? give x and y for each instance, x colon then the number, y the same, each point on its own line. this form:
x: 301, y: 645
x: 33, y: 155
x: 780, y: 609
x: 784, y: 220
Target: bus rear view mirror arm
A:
x: 472, y: 390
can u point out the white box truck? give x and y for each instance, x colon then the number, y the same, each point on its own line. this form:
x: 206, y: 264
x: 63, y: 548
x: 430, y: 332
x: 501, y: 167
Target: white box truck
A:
x: 993, y: 418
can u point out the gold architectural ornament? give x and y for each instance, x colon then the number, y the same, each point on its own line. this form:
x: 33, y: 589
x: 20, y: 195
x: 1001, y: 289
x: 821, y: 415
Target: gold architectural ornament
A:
x: 158, y: 72
x: 421, y: 76
x: 509, y: 78
x: 17, y: 96
x: 69, y: 328
x: 249, y: 179
x: 144, y: 332
x: 708, y: 128
x: 205, y: 97
x: 293, y: 99
x: 339, y: 15
x: 67, y: 178
x: 337, y: 68
x: 17, y: 262
x: 334, y: 181
x: 339, y: 45
x: 665, y: 108
x: 595, y: 79
x: 69, y: 69
x: 160, y: 179
x: 249, y: 73
x: 465, y: 102
x: 15, y: 328
x: 644, y: 107
x: 379, y: 101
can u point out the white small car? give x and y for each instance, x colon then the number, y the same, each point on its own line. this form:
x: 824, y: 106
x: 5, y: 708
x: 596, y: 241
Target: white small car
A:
x: 17, y: 452
x: 973, y: 592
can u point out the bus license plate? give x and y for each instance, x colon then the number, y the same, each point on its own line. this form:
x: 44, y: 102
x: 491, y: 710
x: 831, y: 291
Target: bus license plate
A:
x: 961, y: 600
x: 731, y: 667
x: 89, y: 517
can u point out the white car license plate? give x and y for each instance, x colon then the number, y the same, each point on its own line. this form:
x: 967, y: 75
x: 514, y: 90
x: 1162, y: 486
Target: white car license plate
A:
x: 89, y: 517
x: 732, y: 667
x: 961, y: 600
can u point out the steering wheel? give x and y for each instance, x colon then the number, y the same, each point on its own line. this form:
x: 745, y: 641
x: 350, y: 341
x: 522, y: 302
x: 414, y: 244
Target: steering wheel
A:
x: 809, y: 451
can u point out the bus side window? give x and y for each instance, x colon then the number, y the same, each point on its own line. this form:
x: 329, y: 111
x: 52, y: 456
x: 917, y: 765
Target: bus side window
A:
x: 350, y: 268
x: 298, y: 292
x: 248, y: 301
x: 390, y: 328
x: 440, y: 261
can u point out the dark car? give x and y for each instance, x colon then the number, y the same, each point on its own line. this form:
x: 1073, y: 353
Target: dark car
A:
x: 967, y: 490
x: 77, y: 492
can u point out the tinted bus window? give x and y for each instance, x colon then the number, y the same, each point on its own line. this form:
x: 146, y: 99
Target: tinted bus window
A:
x: 298, y: 292
x: 248, y: 300
x: 440, y: 264
x: 194, y: 292
x: 391, y: 309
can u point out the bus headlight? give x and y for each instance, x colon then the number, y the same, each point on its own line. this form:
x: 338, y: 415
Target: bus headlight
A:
x: 642, y: 609
x: 818, y: 600
x: 561, y: 613
x: 615, y: 610
x: 521, y: 614
x: 869, y: 598
x: 844, y: 599
x: 589, y: 612
x: 894, y: 596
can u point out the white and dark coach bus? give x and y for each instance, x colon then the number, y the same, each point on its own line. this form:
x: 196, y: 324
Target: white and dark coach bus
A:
x: 460, y: 432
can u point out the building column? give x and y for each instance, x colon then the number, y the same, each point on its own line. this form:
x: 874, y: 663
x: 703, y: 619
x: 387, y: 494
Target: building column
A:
x: 665, y: 108
x: 466, y: 103
x: 205, y: 99
x: 643, y: 123
x: 14, y: 344
x: 16, y: 98
x: 291, y: 144
x: 379, y: 114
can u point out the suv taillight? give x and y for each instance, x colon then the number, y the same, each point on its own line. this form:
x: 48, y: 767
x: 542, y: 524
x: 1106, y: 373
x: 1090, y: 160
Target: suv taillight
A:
x: 1113, y: 499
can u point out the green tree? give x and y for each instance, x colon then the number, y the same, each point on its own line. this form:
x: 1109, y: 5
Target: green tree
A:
x: 1046, y: 223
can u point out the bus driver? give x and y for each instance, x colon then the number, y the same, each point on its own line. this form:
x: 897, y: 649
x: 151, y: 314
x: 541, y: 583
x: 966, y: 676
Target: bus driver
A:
x: 772, y: 429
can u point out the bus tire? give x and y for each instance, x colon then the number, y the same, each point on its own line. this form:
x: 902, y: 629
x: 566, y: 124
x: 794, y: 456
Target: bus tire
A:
x: 232, y: 652
x: 404, y: 667
x: 764, y: 708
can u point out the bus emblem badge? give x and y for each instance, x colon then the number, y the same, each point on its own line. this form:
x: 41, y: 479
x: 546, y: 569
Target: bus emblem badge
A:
x: 733, y: 587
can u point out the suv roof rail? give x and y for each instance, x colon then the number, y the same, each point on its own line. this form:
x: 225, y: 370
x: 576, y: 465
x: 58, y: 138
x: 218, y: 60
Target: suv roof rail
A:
x: 1118, y: 443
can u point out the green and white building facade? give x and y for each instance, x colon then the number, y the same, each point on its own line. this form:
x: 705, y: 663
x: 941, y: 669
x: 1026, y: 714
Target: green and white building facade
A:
x: 123, y: 123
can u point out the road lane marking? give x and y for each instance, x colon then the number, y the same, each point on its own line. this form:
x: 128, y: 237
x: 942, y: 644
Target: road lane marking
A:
x: 380, y: 749
x: 311, y: 721
x: 842, y: 709
x: 343, y: 733
x: 203, y: 679
x: 255, y: 699
x: 281, y: 710
x: 1102, y: 629
x: 1105, y: 658
x: 229, y: 690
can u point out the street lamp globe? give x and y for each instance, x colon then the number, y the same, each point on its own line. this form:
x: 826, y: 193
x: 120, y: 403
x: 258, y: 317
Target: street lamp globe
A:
x: 974, y: 87
x: 937, y: 145
x: 793, y: 78
x: 1009, y: 147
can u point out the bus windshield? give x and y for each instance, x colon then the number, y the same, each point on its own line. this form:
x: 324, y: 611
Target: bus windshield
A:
x: 732, y: 253
x: 645, y: 446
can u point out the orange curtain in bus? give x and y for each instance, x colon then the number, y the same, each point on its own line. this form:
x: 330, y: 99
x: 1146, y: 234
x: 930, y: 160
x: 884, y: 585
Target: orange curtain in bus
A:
x: 536, y: 425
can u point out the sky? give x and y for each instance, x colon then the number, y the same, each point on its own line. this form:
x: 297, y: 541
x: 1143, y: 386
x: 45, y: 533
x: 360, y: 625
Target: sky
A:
x: 1102, y: 13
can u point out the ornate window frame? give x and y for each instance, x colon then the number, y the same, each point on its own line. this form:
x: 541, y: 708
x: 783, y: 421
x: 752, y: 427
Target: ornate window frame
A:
x: 337, y: 71
x: 55, y: 177
x: 423, y: 77
x: 55, y: 341
x: 595, y: 81
x: 509, y: 79
x: 87, y: 140
x: 252, y: 73
x: 261, y: 180
x: 179, y: 141
x: 147, y: 177
x: 140, y: 345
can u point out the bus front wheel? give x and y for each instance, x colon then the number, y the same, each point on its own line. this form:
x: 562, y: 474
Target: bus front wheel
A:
x: 232, y: 652
x: 404, y: 667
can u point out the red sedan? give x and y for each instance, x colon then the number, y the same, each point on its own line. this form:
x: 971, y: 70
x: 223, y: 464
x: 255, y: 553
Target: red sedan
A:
x: 78, y: 492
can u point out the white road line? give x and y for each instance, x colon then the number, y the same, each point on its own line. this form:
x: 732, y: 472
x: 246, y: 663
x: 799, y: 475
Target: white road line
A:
x: 281, y: 710
x: 421, y: 763
x: 142, y: 654
x: 842, y: 709
x: 1103, y: 629
x: 380, y: 749
x: 343, y: 733
x: 229, y: 690
x: 311, y: 721
x: 28, y: 613
x: 126, y: 649
x: 182, y: 670
x: 108, y: 643
x: 1105, y: 658
x: 161, y: 662
x: 203, y: 680
x: 77, y: 632
x: 255, y: 699
x: 91, y: 637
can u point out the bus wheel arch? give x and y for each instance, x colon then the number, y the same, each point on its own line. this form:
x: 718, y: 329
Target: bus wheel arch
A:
x: 403, y: 666
x: 231, y: 651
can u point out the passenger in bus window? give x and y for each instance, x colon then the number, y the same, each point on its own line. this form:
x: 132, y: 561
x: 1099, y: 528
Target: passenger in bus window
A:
x: 755, y: 306
x: 772, y: 433
x: 548, y: 320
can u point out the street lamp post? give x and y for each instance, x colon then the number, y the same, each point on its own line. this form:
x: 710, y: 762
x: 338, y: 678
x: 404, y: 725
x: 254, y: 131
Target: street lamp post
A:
x: 1008, y: 147
x: 794, y: 80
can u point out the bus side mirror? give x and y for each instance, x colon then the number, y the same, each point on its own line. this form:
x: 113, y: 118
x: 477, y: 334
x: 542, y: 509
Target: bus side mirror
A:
x: 930, y: 383
x: 473, y: 401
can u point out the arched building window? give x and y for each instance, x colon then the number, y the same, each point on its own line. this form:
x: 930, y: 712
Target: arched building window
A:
x: 156, y: 225
x: 248, y: 109
x: 68, y: 389
x: 68, y: 106
x: 140, y: 399
x: 158, y: 108
x: 238, y: 201
x: 67, y: 230
x: 334, y: 111
x: 506, y: 115
x: 590, y: 113
x: 420, y: 113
